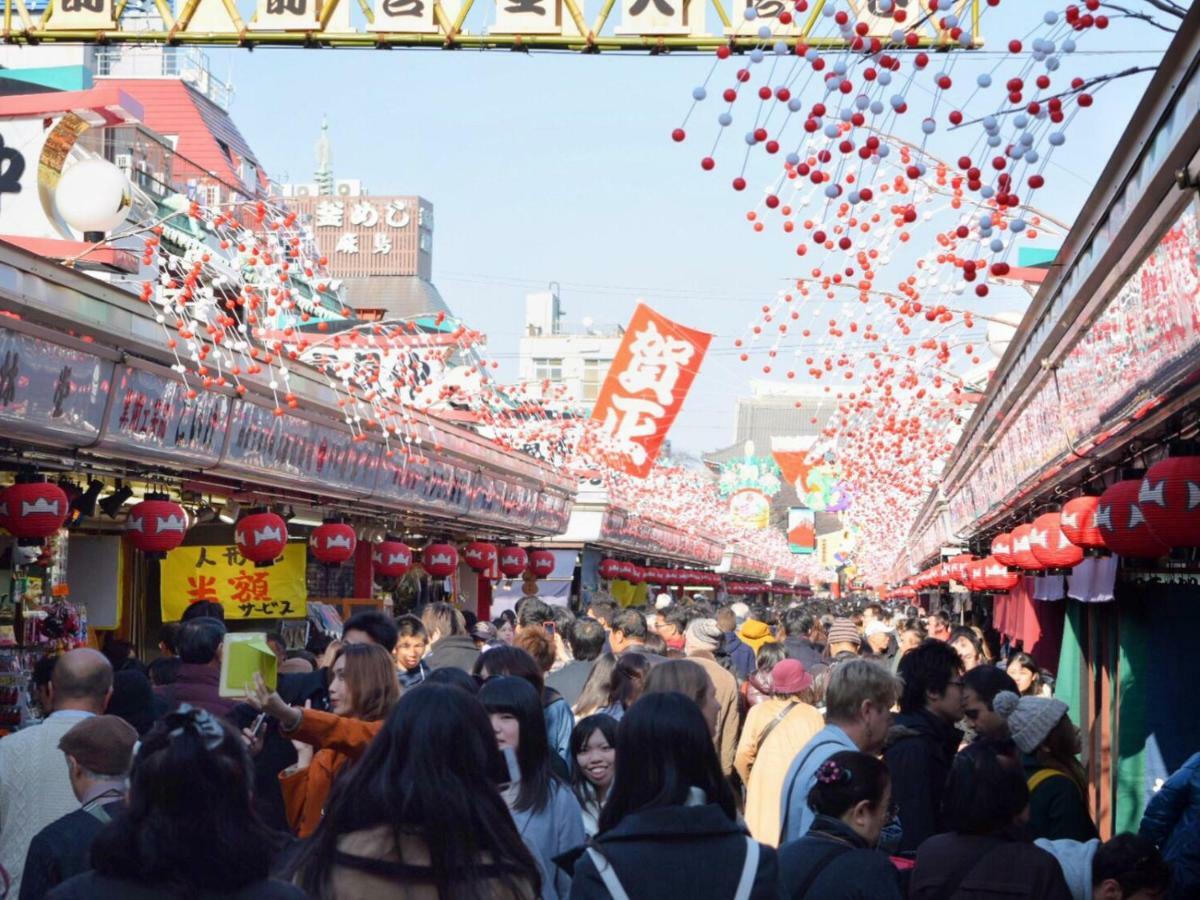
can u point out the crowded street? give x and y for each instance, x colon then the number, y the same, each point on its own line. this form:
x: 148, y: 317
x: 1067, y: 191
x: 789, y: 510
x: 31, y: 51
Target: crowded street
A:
x: 783, y: 481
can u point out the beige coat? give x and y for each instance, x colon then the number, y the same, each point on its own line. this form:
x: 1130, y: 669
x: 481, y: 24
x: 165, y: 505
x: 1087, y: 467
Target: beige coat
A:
x: 764, y: 768
x: 729, y: 719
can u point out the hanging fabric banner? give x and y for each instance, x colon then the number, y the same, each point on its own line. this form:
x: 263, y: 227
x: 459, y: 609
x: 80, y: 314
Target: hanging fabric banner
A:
x: 645, y: 388
x: 221, y: 574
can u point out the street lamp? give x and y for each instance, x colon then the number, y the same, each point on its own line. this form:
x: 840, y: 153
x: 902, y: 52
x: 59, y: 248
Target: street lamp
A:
x: 94, y: 197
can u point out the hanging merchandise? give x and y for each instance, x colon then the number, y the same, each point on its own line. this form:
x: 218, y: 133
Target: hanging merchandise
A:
x: 1123, y: 524
x: 541, y: 564
x: 156, y: 525
x: 1022, y: 552
x: 514, y: 560
x: 1050, y: 544
x: 33, y: 509
x: 1078, y: 521
x: 1169, y: 498
x: 439, y: 560
x: 261, y: 537
x: 480, y: 556
x: 392, y: 558
x: 332, y: 543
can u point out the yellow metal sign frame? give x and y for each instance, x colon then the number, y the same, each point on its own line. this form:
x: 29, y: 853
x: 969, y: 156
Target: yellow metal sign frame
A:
x: 22, y: 28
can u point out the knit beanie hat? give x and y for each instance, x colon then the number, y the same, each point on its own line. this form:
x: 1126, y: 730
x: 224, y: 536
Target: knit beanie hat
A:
x: 844, y: 631
x: 1030, y: 719
x: 703, y: 634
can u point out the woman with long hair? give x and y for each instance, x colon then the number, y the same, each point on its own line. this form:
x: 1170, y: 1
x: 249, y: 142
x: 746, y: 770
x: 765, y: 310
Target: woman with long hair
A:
x: 420, y: 816
x: 628, y: 680
x: 757, y: 687
x: 189, y: 827
x: 519, y: 663
x: 683, y: 676
x: 594, y: 750
x: 1023, y: 669
x: 986, y: 851
x: 597, y: 689
x: 362, y: 686
x: 837, y: 859
x: 670, y: 826
x: 545, y: 811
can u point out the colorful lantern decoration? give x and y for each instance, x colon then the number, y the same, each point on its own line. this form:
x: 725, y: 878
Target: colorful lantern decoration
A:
x: 1078, y: 522
x: 33, y: 510
x: 1021, y: 550
x: 1050, y: 544
x: 1169, y: 498
x: 481, y: 556
x: 976, y: 575
x: 609, y: 568
x: 261, y: 537
x: 1002, y: 549
x: 392, y: 558
x: 1123, y: 525
x: 332, y: 543
x: 997, y: 576
x: 156, y: 525
x: 514, y: 560
x: 541, y: 564
x: 637, y: 574
x: 439, y: 560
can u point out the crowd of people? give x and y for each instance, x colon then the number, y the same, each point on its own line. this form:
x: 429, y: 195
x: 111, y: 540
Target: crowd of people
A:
x: 679, y: 749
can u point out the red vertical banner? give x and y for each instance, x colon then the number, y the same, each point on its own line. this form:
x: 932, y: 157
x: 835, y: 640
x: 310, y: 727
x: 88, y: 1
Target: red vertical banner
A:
x: 645, y: 388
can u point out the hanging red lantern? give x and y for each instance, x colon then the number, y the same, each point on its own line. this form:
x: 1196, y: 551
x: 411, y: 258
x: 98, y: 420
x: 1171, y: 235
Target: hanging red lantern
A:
x: 1002, y: 549
x: 637, y: 574
x: 392, y: 558
x: 1123, y: 525
x: 439, y: 560
x: 1050, y: 544
x: 609, y: 568
x: 261, y: 537
x: 541, y: 564
x: 156, y: 525
x: 514, y: 560
x: 1078, y: 522
x: 1021, y: 550
x: 976, y: 574
x: 332, y: 543
x: 1169, y: 498
x: 33, y: 510
x: 997, y: 576
x: 481, y: 556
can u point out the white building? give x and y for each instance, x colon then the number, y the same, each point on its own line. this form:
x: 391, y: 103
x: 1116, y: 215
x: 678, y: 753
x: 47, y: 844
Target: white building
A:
x: 579, y: 361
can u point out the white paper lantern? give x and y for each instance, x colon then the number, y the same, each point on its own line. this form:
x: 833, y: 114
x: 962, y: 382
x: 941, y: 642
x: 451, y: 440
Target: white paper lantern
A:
x: 93, y: 195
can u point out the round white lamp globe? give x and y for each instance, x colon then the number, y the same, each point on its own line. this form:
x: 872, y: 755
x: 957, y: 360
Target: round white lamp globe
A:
x: 93, y: 196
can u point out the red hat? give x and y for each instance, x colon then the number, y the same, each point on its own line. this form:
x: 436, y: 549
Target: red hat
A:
x: 789, y: 677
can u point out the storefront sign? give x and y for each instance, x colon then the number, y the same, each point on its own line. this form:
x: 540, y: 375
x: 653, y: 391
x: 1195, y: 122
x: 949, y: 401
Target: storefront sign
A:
x: 645, y: 388
x: 221, y: 574
x: 72, y: 15
x: 368, y: 234
x: 49, y: 392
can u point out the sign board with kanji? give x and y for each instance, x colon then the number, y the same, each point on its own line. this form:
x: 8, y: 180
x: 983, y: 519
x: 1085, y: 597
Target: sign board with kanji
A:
x: 221, y: 574
x: 645, y: 388
x: 364, y: 234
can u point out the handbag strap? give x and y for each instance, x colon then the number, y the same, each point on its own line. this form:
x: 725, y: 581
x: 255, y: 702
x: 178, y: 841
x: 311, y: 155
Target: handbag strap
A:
x: 749, y: 871
x: 607, y: 874
x: 766, y: 732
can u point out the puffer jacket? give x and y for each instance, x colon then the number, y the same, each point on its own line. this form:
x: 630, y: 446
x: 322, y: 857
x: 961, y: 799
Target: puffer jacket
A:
x: 1172, y: 821
x: 919, y: 752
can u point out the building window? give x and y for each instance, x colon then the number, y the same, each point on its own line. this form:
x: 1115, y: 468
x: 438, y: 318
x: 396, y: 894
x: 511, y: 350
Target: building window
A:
x: 594, y: 372
x: 547, y: 369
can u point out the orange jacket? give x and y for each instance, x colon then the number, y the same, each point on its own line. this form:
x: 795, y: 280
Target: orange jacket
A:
x: 338, y: 741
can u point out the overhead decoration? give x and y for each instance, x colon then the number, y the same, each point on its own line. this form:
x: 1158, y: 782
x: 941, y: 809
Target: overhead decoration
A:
x: 261, y: 537
x: 1023, y: 552
x: 998, y: 577
x: 156, y: 525
x: 392, y: 558
x: 439, y: 560
x: 1002, y: 549
x: 514, y: 561
x: 480, y: 556
x: 1050, y: 544
x: 332, y: 543
x: 541, y: 564
x: 33, y: 509
x: 1078, y: 522
x: 644, y: 390
x: 1169, y: 498
x: 1123, y: 525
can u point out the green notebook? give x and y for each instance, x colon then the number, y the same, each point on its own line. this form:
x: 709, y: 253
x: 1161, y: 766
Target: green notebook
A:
x: 244, y: 654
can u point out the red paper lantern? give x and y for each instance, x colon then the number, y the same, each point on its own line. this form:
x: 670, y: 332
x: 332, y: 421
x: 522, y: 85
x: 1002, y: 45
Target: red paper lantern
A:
x: 261, y: 537
x: 1078, y: 522
x: 332, y: 543
x: 997, y: 577
x: 1050, y: 544
x: 541, y: 564
x: 1022, y: 551
x: 976, y: 574
x: 1123, y: 525
x: 156, y: 525
x: 514, y: 560
x: 637, y: 574
x: 1002, y: 549
x: 33, y: 510
x: 392, y: 558
x: 481, y: 556
x: 1170, y: 500
x: 439, y: 560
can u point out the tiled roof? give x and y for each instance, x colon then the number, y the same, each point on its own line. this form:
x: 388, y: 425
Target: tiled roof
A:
x: 398, y: 295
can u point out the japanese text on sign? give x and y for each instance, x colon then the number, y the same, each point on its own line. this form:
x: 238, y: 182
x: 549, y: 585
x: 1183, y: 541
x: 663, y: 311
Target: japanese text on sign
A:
x: 646, y: 386
x: 222, y: 575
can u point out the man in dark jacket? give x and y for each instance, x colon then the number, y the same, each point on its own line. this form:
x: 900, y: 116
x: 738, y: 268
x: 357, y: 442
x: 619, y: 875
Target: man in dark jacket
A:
x: 738, y: 653
x: 587, y: 643
x: 200, y: 643
x: 99, y: 752
x: 923, y: 740
x: 1172, y: 822
x: 798, y: 625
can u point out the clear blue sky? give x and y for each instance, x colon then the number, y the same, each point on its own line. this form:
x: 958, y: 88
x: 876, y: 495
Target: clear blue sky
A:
x: 551, y: 167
